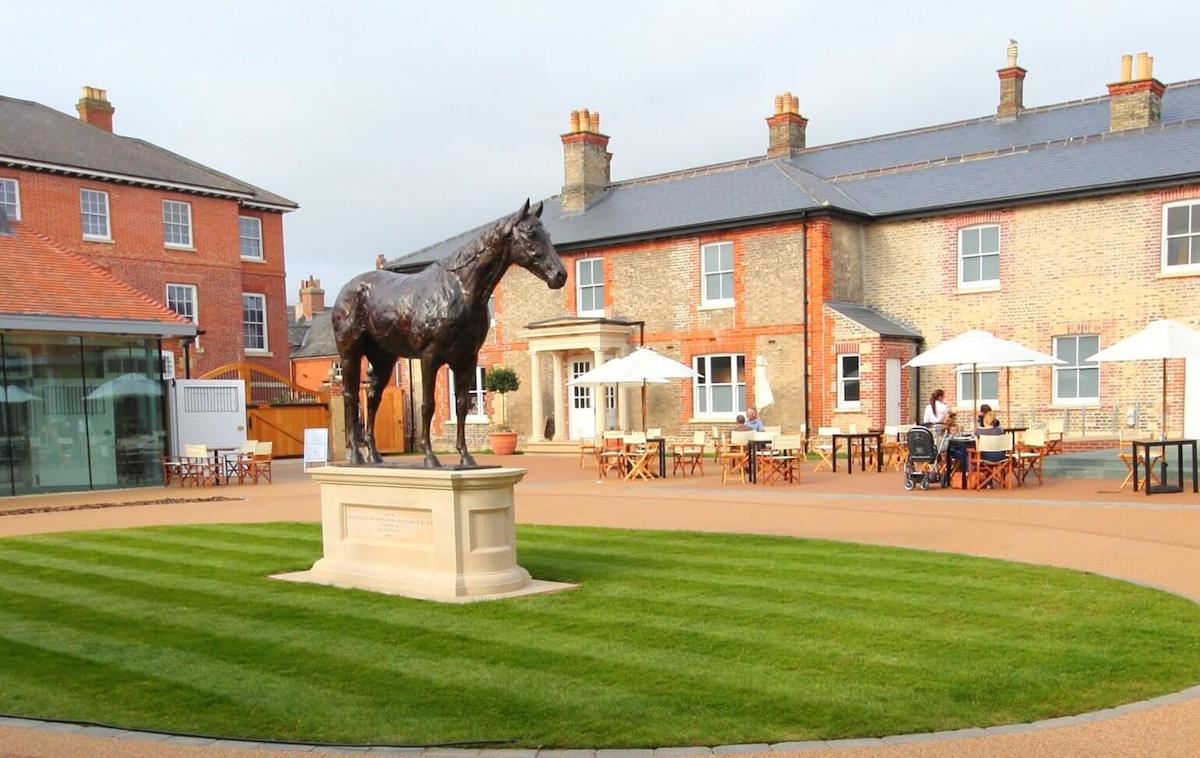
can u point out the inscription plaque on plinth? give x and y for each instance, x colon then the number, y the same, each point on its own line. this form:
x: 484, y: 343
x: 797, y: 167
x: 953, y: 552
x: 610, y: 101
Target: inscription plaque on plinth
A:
x: 445, y: 535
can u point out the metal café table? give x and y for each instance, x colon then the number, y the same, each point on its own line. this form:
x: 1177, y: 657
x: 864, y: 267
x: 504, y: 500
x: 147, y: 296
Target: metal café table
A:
x: 758, y: 442
x: 862, y: 437
x: 1014, y: 431
x: 966, y: 443
x: 661, y: 442
x: 1179, y: 445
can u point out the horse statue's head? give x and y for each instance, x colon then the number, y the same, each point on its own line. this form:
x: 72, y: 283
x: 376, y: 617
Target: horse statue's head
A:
x: 530, y: 247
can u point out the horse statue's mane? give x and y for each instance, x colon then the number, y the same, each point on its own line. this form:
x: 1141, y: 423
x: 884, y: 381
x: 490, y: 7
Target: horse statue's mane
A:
x: 489, y: 235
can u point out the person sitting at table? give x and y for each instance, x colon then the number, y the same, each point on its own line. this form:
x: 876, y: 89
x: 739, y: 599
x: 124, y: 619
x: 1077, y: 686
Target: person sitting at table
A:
x: 740, y: 424
x: 985, y: 412
x: 956, y: 453
x: 753, y: 422
x: 990, y: 425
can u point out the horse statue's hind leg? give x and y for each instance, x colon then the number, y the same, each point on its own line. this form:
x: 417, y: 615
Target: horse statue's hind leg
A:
x: 464, y: 376
x: 351, y: 376
x: 378, y: 375
x: 429, y: 370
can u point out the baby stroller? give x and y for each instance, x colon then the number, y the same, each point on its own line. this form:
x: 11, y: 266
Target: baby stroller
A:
x: 926, y: 458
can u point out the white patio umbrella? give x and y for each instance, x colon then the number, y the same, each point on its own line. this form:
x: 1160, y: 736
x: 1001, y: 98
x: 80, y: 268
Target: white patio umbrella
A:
x: 978, y: 348
x: 763, y: 396
x: 642, y: 367
x: 14, y: 394
x: 1161, y: 340
x: 610, y: 373
x: 127, y: 385
x: 1042, y: 360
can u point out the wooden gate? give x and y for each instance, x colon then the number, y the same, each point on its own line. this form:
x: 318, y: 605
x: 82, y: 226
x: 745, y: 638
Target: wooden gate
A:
x: 277, y: 410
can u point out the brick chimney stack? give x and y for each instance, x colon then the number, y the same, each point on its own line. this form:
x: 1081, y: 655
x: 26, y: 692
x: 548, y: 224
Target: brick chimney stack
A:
x: 1135, y: 103
x: 786, y: 127
x: 95, y: 109
x: 1012, y: 86
x: 380, y: 261
x: 586, y: 161
x: 312, y: 298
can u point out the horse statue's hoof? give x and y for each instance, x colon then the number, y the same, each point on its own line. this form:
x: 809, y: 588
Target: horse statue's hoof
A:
x: 431, y: 461
x: 375, y: 456
x: 354, y: 457
x: 467, y: 460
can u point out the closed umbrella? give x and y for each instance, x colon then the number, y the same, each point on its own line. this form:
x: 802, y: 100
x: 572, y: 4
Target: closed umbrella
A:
x: 977, y: 348
x: 763, y: 396
x: 1161, y: 340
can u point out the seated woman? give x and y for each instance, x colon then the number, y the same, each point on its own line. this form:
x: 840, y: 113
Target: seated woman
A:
x: 740, y: 424
x: 956, y: 453
x: 990, y: 425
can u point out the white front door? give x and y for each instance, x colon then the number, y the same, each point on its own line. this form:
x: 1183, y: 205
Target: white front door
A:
x: 582, y: 415
x: 1191, y: 400
x: 892, y: 393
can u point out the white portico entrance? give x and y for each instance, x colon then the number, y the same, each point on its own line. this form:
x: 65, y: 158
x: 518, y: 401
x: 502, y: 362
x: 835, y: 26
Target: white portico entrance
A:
x: 573, y: 346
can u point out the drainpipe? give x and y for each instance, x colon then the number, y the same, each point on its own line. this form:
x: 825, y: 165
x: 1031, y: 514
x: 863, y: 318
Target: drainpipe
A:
x: 807, y: 349
x: 917, y: 394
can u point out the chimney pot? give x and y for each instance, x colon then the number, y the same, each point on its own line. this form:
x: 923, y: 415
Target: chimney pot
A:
x: 1012, y: 53
x: 595, y: 122
x: 574, y: 122
x: 786, y: 127
x: 380, y: 261
x: 1143, y: 66
x: 585, y: 120
x: 1135, y: 103
x: 1126, y: 68
x: 586, y: 171
x: 795, y: 105
x: 778, y: 104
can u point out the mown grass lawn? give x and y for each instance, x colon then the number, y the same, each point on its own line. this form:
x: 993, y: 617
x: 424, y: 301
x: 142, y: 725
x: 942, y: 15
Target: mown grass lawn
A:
x: 672, y: 639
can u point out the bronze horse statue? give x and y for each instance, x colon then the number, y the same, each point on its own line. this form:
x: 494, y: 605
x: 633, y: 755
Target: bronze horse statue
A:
x: 439, y: 316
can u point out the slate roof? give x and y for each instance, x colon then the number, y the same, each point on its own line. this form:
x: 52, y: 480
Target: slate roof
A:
x: 318, y: 341
x: 40, y: 279
x: 32, y: 132
x: 873, y: 320
x: 1046, y: 151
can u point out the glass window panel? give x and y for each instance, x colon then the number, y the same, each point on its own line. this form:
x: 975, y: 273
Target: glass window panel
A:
x: 726, y: 286
x: 726, y: 257
x: 990, y: 268
x: 254, y: 325
x: 1177, y: 251
x: 1177, y: 219
x: 1068, y: 383
x: 1196, y: 249
x: 1089, y: 382
x: 851, y: 391
x: 1089, y: 345
x: 966, y: 386
x: 713, y: 287
x: 741, y: 368
x: 989, y: 384
x: 741, y: 398
x: 970, y: 241
x: 585, y: 273
x: 1195, y: 218
x: 989, y: 239
x: 1064, y: 349
x: 970, y: 269
x: 711, y: 258
x: 702, y: 400
x: 722, y: 367
x: 700, y: 365
x: 850, y: 366
x: 585, y: 299
x: 250, y: 237
x: 722, y: 399
x: 8, y: 199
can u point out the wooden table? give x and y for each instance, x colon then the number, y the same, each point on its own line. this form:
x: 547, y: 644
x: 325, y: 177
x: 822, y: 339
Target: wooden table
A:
x: 966, y: 443
x: 862, y: 437
x: 1179, y: 445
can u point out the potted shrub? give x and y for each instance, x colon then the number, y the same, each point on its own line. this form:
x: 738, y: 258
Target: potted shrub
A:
x: 503, y: 380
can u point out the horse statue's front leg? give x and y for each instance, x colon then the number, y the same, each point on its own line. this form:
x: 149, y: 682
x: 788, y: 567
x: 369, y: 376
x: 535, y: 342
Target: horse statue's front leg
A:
x: 428, y: 390
x: 351, y: 370
x: 462, y: 399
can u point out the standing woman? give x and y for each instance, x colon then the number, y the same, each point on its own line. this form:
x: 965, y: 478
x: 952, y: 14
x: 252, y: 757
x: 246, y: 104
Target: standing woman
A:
x: 935, y: 412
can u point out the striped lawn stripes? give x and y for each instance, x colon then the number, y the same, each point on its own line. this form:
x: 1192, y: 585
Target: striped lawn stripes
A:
x: 673, y: 638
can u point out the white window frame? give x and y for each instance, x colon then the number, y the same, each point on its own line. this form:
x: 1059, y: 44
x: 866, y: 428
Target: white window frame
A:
x: 593, y: 264
x: 705, y: 389
x: 842, y: 403
x: 982, y: 283
x: 259, y: 238
x: 266, y: 346
x: 1080, y: 363
x: 491, y: 308
x: 107, y: 236
x: 720, y: 302
x: 195, y: 303
x: 16, y: 187
x: 964, y: 401
x: 480, y: 393
x: 1194, y: 233
x: 186, y: 225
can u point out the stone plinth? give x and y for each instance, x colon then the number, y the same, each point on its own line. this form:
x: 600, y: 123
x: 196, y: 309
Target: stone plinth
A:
x: 427, y: 533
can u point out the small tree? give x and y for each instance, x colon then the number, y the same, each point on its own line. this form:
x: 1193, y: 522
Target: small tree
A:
x: 502, y: 380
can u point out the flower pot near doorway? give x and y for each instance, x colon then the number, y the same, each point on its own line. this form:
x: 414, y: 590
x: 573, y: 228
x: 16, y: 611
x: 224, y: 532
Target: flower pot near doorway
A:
x: 503, y: 380
x: 504, y: 443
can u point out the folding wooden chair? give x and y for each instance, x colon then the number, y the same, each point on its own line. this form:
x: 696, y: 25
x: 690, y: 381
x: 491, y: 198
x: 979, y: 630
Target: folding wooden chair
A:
x: 983, y: 472
x: 241, y: 463
x: 687, y: 458
x: 824, y: 447
x: 1028, y: 457
x: 735, y: 456
x: 1125, y: 453
x: 199, y: 468
x: 260, y: 464
x: 637, y: 456
x: 612, y: 455
x: 782, y: 460
x: 893, y: 450
x: 1055, y: 431
x: 588, y: 449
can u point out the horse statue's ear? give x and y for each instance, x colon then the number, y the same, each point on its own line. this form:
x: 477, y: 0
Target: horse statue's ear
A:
x: 524, y: 210
x: 537, y: 209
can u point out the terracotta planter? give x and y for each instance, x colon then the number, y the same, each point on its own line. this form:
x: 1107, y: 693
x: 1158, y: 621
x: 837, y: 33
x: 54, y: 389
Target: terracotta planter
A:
x: 504, y: 443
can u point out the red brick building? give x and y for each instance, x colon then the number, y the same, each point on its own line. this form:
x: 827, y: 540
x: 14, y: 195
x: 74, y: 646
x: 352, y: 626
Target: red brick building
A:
x: 201, y: 242
x: 1065, y: 227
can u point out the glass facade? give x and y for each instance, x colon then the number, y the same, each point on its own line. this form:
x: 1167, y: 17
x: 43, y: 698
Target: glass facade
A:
x: 79, y: 412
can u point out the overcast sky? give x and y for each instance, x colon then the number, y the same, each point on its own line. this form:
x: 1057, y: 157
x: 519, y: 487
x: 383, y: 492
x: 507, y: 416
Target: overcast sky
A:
x: 397, y: 124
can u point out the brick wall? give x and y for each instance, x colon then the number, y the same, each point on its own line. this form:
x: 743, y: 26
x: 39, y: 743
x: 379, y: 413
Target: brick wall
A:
x: 137, y: 255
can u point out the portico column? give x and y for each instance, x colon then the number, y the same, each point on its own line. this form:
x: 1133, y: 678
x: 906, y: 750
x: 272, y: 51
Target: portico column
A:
x: 561, y: 423
x: 598, y: 396
x: 623, y: 396
x: 537, y: 420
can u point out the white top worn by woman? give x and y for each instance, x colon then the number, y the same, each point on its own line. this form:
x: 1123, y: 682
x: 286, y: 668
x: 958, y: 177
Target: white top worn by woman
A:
x: 936, y: 414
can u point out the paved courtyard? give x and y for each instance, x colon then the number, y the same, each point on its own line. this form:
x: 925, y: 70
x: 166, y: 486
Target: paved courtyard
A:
x: 1080, y: 524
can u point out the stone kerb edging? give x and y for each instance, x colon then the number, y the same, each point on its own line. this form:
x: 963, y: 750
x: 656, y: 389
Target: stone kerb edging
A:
x: 167, y: 738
